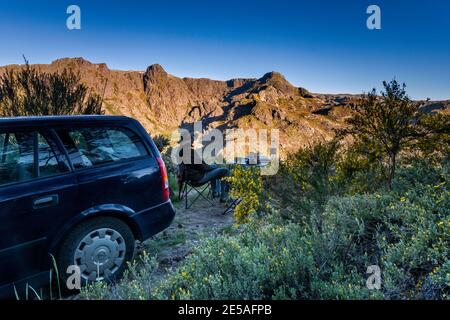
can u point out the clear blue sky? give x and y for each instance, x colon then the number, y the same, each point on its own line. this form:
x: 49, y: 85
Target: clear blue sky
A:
x: 323, y: 46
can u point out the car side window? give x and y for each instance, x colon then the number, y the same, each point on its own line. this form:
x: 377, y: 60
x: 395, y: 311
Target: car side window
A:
x: 89, y: 147
x: 17, y: 157
x: 48, y: 162
x: 2, y: 140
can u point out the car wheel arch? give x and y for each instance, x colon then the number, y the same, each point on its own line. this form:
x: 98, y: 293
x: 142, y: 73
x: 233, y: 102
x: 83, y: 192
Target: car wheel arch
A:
x: 124, y: 217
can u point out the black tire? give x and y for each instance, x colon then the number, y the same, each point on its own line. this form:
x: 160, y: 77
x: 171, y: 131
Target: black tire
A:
x: 66, y: 253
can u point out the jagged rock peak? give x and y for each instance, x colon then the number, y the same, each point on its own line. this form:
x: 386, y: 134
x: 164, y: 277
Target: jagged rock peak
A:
x: 155, y: 70
x: 77, y: 60
x: 272, y: 75
x: 278, y: 81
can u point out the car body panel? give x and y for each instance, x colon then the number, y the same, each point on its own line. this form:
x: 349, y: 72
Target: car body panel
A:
x: 129, y: 189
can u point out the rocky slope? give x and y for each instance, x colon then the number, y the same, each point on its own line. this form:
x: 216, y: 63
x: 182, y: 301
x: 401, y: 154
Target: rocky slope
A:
x: 163, y: 102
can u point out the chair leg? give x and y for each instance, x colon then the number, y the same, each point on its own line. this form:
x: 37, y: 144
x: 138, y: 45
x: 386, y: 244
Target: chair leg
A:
x: 232, y: 206
x: 210, y: 192
x: 185, y: 195
x: 200, y: 194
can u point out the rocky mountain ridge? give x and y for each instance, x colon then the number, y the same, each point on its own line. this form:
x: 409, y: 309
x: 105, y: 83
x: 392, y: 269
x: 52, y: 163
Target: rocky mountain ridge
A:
x: 163, y: 102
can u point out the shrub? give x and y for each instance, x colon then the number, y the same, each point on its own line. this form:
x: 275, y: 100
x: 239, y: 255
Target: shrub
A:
x: 246, y: 185
x: 340, y: 282
x: 406, y: 235
x: 349, y: 227
x: 161, y: 142
x: 264, y: 262
x: 419, y: 172
x: 137, y: 283
x: 405, y: 231
x: 305, y: 181
x: 415, y: 258
x: 312, y: 168
x: 358, y: 171
x: 30, y: 92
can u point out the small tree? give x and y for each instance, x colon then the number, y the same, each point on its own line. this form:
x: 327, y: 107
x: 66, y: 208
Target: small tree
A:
x: 29, y: 92
x: 161, y: 142
x: 389, y: 123
x: 313, y: 168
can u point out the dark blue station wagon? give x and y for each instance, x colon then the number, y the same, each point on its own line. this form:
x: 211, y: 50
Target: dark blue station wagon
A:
x: 80, y: 188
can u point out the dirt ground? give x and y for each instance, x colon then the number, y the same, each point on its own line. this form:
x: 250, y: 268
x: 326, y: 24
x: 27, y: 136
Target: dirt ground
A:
x: 188, y: 228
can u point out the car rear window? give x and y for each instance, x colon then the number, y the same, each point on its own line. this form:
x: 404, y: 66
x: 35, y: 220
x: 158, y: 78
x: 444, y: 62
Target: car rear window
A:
x: 20, y: 160
x: 89, y: 147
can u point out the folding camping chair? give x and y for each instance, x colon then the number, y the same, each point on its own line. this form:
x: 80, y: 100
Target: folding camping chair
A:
x: 203, y: 191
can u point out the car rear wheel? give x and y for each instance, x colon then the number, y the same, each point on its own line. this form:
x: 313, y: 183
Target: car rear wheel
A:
x: 100, y: 248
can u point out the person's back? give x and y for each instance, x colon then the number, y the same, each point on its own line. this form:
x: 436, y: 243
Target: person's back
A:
x: 196, y: 172
x: 202, y: 173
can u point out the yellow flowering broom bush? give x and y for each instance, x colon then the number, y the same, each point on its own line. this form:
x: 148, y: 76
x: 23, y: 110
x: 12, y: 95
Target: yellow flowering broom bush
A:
x: 246, y: 185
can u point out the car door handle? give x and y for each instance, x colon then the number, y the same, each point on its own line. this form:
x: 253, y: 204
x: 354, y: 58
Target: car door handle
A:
x: 46, y: 201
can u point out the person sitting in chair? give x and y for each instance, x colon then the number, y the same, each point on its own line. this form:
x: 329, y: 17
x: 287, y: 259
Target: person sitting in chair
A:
x: 200, y: 174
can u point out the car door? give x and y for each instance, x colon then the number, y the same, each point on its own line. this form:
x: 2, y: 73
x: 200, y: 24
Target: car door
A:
x: 37, y: 193
x: 114, y: 168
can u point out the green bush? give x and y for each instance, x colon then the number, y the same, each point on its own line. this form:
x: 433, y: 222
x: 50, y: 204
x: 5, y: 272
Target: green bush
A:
x: 266, y: 261
x: 357, y: 171
x: 349, y: 227
x: 416, y: 256
x: 137, y: 283
x: 263, y: 262
x: 305, y: 181
x: 406, y: 236
x: 417, y: 172
x: 405, y: 231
